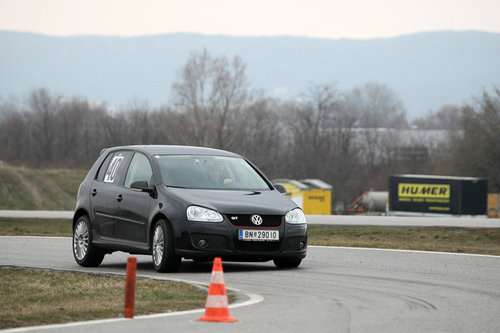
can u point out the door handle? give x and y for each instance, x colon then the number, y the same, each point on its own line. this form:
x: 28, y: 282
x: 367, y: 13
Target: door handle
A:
x: 94, y: 192
x: 119, y: 198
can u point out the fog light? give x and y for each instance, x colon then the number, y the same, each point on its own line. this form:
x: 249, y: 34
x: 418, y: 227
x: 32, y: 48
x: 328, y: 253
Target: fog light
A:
x: 302, y: 245
x: 202, y: 243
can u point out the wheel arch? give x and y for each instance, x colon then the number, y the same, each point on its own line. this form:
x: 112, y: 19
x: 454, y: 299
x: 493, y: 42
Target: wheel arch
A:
x: 79, y: 213
x: 156, y: 218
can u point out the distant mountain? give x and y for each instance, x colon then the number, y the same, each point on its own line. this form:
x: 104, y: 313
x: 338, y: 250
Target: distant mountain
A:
x: 427, y: 70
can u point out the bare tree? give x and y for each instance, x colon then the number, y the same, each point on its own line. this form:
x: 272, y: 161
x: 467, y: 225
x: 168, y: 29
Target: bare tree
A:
x: 310, y: 123
x: 323, y: 142
x: 71, y: 133
x: 379, y: 111
x: 264, y: 137
x: 377, y: 106
x: 476, y: 149
x: 139, y: 125
x: 211, y: 94
x: 12, y: 144
x: 44, y: 109
x: 446, y: 118
x: 165, y: 126
x: 81, y: 131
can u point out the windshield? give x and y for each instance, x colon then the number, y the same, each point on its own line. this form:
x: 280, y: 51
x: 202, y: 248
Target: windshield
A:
x: 209, y: 172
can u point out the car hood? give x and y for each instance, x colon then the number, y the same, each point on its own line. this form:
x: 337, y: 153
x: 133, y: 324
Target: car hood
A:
x: 237, y: 202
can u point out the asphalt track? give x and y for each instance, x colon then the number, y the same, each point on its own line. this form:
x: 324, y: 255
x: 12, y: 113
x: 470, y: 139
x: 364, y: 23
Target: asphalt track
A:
x: 334, y: 290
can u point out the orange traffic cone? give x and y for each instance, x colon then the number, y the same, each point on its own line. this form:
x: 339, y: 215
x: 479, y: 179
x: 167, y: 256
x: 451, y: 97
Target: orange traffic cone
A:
x: 216, y: 308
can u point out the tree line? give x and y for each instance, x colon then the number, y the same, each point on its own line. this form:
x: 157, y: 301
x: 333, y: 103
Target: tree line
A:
x: 353, y: 139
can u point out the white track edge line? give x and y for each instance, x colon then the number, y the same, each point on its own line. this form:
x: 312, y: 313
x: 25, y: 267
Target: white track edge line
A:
x: 400, y: 250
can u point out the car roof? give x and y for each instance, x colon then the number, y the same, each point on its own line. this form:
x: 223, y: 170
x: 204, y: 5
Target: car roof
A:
x: 174, y: 150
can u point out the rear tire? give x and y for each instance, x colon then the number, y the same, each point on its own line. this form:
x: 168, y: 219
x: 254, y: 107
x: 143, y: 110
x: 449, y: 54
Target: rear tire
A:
x: 84, y: 252
x: 287, y: 263
x: 162, y: 244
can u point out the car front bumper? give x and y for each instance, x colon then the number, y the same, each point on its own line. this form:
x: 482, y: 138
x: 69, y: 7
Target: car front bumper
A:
x: 201, y: 240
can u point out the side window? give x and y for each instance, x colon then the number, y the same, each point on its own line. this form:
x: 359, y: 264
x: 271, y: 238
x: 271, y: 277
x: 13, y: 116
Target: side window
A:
x: 109, y: 170
x: 104, y: 167
x: 139, y: 170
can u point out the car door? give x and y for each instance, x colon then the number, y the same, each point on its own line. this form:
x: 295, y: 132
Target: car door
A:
x: 131, y: 220
x: 104, y: 191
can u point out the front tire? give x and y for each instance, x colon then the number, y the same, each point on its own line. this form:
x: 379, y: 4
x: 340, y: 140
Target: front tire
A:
x: 84, y: 252
x: 287, y: 263
x: 164, y: 257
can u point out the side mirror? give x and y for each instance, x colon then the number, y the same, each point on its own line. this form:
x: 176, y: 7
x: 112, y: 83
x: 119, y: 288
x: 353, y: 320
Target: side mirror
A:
x: 141, y: 186
x: 280, y: 188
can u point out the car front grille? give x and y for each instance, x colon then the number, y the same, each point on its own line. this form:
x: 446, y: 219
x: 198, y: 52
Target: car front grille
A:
x: 245, y: 220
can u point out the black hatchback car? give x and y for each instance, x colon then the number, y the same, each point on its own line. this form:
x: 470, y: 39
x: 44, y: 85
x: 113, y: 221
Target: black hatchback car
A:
x: 177, y: 202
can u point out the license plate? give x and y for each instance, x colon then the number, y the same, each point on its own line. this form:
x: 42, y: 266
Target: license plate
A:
x: 259, y: 235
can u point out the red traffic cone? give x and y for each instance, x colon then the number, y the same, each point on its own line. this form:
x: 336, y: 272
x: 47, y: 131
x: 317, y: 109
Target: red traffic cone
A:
x: 216, y: 308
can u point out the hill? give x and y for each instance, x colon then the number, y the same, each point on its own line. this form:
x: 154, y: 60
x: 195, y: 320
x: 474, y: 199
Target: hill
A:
x: 428, y: 70
x: 39, y: 189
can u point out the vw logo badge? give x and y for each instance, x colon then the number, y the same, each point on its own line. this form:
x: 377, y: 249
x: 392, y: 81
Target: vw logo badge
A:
x: 256, y: 219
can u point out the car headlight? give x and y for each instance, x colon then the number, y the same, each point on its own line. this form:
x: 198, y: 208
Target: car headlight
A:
x: 201, y: 214
x: 295, y: 216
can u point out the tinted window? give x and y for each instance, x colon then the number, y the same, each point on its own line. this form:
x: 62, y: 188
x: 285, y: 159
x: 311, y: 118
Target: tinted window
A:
x: 104, y: 167
x: 112, y: 167
x: 139, y: 170
x: 209, y: 172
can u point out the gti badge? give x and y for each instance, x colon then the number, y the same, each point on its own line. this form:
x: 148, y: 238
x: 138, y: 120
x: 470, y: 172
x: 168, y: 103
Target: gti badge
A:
x: 256, y: 219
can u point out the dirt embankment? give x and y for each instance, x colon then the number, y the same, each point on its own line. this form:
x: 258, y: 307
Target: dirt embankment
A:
x: 34, y: 189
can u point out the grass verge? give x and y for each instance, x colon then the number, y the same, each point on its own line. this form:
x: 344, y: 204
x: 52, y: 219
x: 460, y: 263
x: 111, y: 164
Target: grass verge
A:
x: 35, y: 227
x: 445, y: 239
x: 38, y: 297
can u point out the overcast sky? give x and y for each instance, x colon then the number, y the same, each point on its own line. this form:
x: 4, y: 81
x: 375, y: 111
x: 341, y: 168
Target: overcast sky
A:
x: 313, y: 18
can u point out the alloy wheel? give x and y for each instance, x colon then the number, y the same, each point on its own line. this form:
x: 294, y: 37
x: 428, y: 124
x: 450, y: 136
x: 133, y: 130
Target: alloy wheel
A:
x: 81, y: 240
x: 158, y: 245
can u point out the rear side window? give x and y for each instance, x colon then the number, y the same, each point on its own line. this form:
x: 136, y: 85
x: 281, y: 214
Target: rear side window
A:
x: 110, y: 168
x: 104, y: 167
